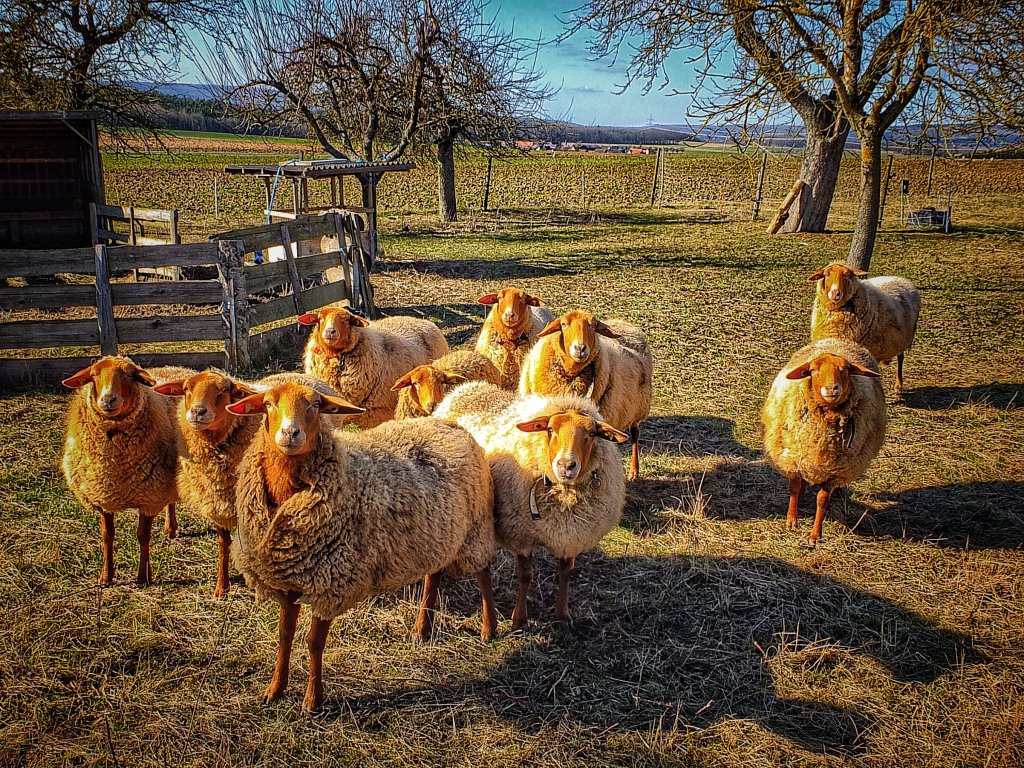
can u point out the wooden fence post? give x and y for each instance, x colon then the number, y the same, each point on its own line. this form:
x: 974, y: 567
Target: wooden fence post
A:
x: 760, y: 186
x: 105, y: 304
x: 487, y: 186
x: 654, y: 182
x: 346, y: 270
x: 783, y: 214
x: 931, y: 169
x: 293, y: 271
x: 235, y: 307
x: 885, y: 191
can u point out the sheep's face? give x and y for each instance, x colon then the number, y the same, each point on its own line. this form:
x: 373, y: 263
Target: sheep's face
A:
x: 838, y: 283
x: 830, y: 378
x: 579, y: 331
x: 293, y: 414
x: 511, y: 306
x: 115, y: 382
x: 429, y: 385
x: 333, y: 327
x: 207, y: 397
x: 570, y: 442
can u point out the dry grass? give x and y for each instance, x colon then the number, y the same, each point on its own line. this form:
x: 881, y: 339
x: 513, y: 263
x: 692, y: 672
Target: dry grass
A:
x: 705, y: 633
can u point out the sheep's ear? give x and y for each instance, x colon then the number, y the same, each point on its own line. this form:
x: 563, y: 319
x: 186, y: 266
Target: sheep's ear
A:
x: 860, y: 370
x: 240, y: 391
x: 337, y: 405
x: 553, y: 327
x: 819, y: 275
x: 144, y: 378
x: 310, y: 318
x: 171, y: 388
x: 490, y: 298
x: 604, y: 330
x: 534, y: 425
x: 859, y: 272
x: 534, y: 301
x: 362, y: 322
x: 402, y: 383
x: 800, y: 372
x: 248, y: 406
x: 608, y: 432
x: 79, y: 379
x: 451, y: 379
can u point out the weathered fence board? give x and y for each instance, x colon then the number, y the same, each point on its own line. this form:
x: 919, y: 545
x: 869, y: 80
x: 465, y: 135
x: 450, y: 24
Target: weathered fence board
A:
x: 136, y: 330
x: 260, y: 277
x: 140, y: 256
x: 36, y: 334
x: 22, y: 263
x: 46, y: 296
x: 284, y: 307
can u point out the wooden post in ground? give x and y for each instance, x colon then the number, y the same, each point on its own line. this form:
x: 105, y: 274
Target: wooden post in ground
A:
x: 654, y: 182
x: 783, y: 214
x: 346, y: 270
x: 105, y: 304
x: 885, y: 191
x: 293, y: 271
x: 760, y: 186
x: 216, y: 198
x: 235, y: 304
x: 931, y: 169
x: 487, y: 184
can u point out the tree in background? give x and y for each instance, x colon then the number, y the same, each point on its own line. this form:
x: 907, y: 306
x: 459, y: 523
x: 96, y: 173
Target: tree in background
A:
x: 93, y: 54
x: 838, y: 64
x: 374, y: 81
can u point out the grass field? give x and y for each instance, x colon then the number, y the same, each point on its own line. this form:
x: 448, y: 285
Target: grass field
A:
x: 705, y: 633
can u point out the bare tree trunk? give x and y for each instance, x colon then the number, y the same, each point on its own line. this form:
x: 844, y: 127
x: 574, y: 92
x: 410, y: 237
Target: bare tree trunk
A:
x: 820, y: 173
x: 870, y: 194
x: 446, y: 180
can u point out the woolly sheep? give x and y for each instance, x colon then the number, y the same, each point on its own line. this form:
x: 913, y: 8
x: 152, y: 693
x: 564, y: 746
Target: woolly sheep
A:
x: 362, y: 360
x: 610, y: 362
x: 328, y: 518
x: 558, y: 480
x: 120, y: 451
x: 824, y: 420
x: 420, y: 390
x: 879, y: 313
x: 510, y: 329
x: 212, y: 442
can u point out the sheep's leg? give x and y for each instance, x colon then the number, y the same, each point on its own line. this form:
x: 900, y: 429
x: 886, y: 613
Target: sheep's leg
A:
x: 565, y: 566
x: 286, y: 622
x: 899, y: 376
x: 107, y: 532
x: 425, y: 621
x: 488, y: 614
x: 524, y: 568
x: 223, y: 558
x: 796, y: 484
x: 316, y: 641
x: 634, y: 467
x: 819, y: 515
x: 145, y: 535
x: 171, y: 522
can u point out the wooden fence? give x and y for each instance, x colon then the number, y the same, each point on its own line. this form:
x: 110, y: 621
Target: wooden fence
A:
x: 230, y: 308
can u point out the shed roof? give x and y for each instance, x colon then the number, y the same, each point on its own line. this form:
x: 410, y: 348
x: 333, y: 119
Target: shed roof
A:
x: 317, y: 169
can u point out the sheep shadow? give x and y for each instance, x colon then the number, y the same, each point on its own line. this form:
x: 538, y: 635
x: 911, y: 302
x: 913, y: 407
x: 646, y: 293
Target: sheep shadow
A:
x: 982, y: 515
x: 1004, y: 396
x: 687, y: 641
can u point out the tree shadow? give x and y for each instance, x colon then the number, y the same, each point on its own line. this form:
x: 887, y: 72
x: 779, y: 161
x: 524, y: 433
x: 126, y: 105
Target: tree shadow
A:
x: 501, y: 270
x: 693, y: 436
x: 983, y: 515
x: 1004, y: 396
x: 689, y: 641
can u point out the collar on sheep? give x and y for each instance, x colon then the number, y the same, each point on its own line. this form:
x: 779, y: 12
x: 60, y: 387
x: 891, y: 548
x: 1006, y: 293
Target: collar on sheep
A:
x: 548, y: 483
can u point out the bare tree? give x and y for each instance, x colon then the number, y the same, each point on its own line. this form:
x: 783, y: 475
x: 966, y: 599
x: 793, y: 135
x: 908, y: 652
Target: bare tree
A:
x: 839, y: 64
x: 93, y: 54
x: 482, y: 91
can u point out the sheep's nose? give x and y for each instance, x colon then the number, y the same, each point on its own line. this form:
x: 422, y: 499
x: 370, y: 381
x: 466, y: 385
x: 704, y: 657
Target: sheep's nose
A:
x: 567, y: 469
x: 832, y: 391
x: 109, y: 401
x: 199, y: 411
x: 834, y: 294
x: 509, y: 317
x: 578, y: 350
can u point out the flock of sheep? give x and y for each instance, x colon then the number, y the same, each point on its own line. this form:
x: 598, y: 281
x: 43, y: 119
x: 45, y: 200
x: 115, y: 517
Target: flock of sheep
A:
x: 511, y: 444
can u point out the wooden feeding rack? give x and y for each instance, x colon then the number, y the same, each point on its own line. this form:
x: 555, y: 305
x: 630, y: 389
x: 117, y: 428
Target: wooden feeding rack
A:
x: 299, y: 173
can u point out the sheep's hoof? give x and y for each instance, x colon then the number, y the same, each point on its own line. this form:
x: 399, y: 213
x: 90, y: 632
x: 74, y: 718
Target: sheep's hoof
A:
x: 313, y: 699
x: 487, y: 632
x: 421, y: 635
x: 519, y: 623
x: 273, y: 693
x: 810, y: 543
x: 171, y: 533
x: 106, y: 580
x: 792, y: 525
x: 564, y: 618
x: 145, y: 578
x: 221, y: 591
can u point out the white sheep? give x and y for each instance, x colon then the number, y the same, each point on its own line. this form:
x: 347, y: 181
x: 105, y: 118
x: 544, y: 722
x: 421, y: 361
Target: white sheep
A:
x: 609, y: 362
x: 824, y: 420
x: 880, y: 313
x: 558, y: 478
x: 362, y: 360
x: 510, y: 329
x: 328, y: 518
x: 120, y: 451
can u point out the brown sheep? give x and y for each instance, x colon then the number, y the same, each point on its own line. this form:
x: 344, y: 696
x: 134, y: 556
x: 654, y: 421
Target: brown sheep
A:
x: 510, y: 330
x: 420, y: 390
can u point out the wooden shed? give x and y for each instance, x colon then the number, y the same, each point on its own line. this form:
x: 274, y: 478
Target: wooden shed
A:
x: 50, y: 173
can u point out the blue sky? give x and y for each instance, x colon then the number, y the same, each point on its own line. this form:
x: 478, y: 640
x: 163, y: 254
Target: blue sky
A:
x: 588, y: 89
